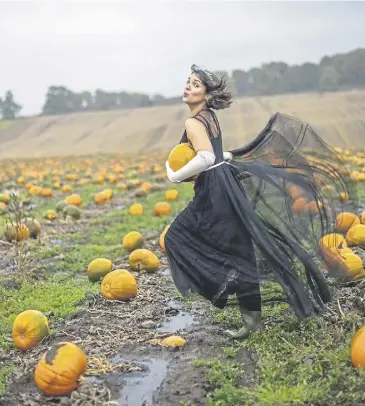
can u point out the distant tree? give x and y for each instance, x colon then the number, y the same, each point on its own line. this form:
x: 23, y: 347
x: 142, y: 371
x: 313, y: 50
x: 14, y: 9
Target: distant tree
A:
x: 9, y: 109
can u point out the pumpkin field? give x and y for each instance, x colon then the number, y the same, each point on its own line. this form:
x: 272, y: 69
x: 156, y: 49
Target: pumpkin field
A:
x: 89, y: 314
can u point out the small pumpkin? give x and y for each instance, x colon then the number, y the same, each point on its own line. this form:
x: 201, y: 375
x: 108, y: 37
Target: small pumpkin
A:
x: 100, y: 198
x: 358, y: 349
x: 98, y: 268
x: 29, y: 328
x: 46, y: 192
x: 162, y: 209
x: 60, y: 368
x: 171, y: 194
x: 34, y: 227
x: 119, y: 285
x: 132, y: 241
x: 73, y: 200
x: 136, y: 209
x: 143, y: 259
x: 345, y: 220
x: 50, y: 215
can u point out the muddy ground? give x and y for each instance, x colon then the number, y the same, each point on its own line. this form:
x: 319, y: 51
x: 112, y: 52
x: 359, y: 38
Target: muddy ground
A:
x: 125, y: 364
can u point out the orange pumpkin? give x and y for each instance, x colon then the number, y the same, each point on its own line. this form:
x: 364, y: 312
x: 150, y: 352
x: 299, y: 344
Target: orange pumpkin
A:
x: 345, y: 220
x: 143, y: 259
x: 119, y: 285
x: 171, y: 194
x: 29, y: 328
x: 162, y: 209
x: 162, y: 238
x: 356, y: 235
x: 358, y: 349
x: 132, y: 241
x: 59, y: 370
x: 136, y: 209
x: 73, y: 200
x: 100, y: 198
x: 180, y: 155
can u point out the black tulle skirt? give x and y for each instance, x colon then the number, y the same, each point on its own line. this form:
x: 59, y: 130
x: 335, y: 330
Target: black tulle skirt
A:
x: 271, y: 204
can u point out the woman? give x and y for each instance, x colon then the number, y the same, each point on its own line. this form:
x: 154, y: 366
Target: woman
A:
x: 269, y: 201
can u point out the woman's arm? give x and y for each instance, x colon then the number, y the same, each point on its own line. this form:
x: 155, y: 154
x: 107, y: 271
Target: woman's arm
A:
x: 204, y: 158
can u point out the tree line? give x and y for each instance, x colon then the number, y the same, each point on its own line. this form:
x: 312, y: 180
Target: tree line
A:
x: 333, y: 73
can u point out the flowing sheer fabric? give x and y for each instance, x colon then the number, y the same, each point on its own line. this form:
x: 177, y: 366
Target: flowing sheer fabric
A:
x: 262, y: 216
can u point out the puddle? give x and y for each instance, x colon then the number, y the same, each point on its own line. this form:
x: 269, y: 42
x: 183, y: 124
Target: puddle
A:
x: 141, y: 388
x: 177, y: 318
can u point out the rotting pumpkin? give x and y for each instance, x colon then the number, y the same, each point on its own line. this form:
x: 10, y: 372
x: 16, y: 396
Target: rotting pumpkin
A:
x: 59, y: 370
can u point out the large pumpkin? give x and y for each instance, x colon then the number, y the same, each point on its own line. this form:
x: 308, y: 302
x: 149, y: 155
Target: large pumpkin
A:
x: 119, y: 285
x: 60, y: 368
x: 29, y: 328
x: 356, y: 235
x: 98, y: 268
x: 143, y: 259
x: 180, y: 156
x: 346, y: 220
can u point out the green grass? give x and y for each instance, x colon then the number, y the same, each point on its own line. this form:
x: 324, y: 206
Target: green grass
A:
x: 60, y: 292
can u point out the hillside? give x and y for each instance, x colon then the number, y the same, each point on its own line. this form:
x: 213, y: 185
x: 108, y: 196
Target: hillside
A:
x: 339, y: 117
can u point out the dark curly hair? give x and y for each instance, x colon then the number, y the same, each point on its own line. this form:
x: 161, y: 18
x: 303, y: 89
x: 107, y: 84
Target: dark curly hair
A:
x: 217, y: 88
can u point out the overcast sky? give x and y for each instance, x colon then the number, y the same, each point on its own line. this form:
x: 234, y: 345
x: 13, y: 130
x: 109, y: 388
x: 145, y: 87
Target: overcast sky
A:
x: 149, y: 46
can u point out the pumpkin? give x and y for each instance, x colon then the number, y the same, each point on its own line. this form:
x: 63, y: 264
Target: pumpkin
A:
x: 143, y: 259
x: 136, y: 209
x: 173, y: 341
x: 333, y: 240
x: 50, y: 214
x: 29, y: 328
x: 362, y: 218
x: 358, y: 349
x: 33, y: 226
x: 19, y: 232
x: 108, y: 193
x: 100, y: 198
x: 59, y: 369
x: 66, y: 188
x: 4, y: 198
x: 73, y: 200
x: 98, y: 268
x: 179, y: 156
x: 132, y: 241
x: 171, y: 194
x: 162, y: 238
x: 119, y: 285
x: 353, y: 263
x: 162, y: 209
x: 345, y: 220
x: 46, y: 192
x: 72, y: 211
x: 60, y: 206
x: 356, y: 235
x: 146, y: 186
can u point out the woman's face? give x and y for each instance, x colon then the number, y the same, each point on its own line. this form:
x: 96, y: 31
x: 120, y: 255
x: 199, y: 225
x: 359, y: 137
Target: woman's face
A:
x: 194, y: 90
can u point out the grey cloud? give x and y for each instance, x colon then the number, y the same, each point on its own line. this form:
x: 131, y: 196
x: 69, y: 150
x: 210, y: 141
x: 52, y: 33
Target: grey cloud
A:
x: 149, y: 47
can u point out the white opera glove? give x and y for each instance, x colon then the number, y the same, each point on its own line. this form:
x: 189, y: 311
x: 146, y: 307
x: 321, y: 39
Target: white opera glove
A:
x: 202, y: 161
x: 227, y: 156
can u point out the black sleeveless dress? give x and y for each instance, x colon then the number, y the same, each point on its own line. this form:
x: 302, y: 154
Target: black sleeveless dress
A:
x: 270, y: 205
